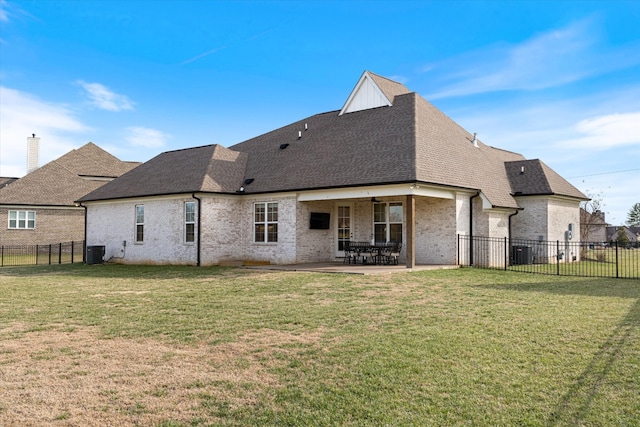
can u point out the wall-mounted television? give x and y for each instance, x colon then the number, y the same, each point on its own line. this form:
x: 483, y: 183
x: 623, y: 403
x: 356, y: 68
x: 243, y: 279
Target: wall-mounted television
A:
x: 320, y: 221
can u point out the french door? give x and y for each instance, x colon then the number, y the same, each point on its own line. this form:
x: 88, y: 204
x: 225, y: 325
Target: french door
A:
x: 344, y: 228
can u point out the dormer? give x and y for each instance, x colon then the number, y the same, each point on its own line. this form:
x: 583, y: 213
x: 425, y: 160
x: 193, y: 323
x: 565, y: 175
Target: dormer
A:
x: 372, y: 91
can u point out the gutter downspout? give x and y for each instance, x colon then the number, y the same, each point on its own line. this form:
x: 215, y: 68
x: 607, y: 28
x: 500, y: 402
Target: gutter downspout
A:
x: 84, y: 238
x: 471, y: 227
x: 509, y: 227
x: 512, y: 215
x: 199, y: 221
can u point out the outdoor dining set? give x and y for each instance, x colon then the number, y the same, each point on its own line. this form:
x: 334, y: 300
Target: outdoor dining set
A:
x: 371, y: 253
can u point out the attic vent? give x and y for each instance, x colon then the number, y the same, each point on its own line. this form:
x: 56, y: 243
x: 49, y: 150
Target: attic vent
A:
x: 306, y: 127
x: 475, y: 139
x: 522, y: 169
x: 299, y: 134
x: 248, y: 181
x: 283, y: 146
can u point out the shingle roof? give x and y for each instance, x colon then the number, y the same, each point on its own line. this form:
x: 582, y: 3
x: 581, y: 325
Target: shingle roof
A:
x: 389, y: 87
x: 533, y: 177
x: 4, y: 181
x: 64, y: 180
x: 410, y: 141
x: 210, y: 168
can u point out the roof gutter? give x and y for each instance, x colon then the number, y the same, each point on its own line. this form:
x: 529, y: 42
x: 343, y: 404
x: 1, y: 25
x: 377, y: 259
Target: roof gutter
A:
x: 199, y: 220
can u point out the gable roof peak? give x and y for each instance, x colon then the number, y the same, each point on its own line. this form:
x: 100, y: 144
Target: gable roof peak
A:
x: 372, y: 91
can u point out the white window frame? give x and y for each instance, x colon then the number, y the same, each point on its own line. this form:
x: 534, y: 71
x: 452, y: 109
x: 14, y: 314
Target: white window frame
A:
x: 139, y: 223
x: 25, y: 218
x: 265, y: 222
x: 387, y: 221
x: 189, y: 222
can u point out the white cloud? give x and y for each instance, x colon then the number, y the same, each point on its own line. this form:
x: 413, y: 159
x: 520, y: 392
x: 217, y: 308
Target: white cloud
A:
x: 4, y: 11
x: 550, y: 59
x: 22, y: 114
x: 592, y: 140
x: 146, y: 137
x: 104, y: 98
x: 607, y: 131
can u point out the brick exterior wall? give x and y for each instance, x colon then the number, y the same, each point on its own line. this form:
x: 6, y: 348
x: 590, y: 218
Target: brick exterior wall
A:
x: 52, y: 226
x: 228, y: 228
x: 435, y: 231
x: 547, y: 217
x: 315, y: 245
x: 109, y: 224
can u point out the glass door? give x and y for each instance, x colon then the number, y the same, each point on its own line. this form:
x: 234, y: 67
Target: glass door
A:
x: 344, y: 227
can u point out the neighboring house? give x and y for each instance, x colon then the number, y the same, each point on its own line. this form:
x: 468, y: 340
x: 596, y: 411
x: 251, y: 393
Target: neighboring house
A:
x: 388, y: 166
x: 40, y: 207
x: 593, y: 226
x: 632, y: 233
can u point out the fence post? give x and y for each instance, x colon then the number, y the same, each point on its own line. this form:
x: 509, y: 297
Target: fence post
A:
x: 60, y: 253
x: 458, y: 247
x: 617, y: 269
x: 506, y: 254
x: 72, y: 251
x: 558, y: 257
x: 49, y: 254
x: 37, y: 253
x: 2, y: 256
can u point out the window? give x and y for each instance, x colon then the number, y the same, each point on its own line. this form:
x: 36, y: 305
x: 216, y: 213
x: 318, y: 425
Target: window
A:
x: 189, y: 222
x: 265, y: 220
x: 22, y: 220
x: 139, y: 223
x: 387, y: 222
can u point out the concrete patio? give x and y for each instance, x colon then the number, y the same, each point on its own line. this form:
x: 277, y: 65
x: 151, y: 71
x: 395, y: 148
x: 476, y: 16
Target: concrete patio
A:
x: 339, y: 267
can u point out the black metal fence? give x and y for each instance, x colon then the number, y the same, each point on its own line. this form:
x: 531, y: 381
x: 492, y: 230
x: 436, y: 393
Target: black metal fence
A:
x: 562, y: 258
x: 58, y: 253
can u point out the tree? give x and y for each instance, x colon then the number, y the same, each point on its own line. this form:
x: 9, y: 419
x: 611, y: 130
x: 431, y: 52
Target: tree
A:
x: 591, y: 217
x: 622, y: 239
x: 633, y: 217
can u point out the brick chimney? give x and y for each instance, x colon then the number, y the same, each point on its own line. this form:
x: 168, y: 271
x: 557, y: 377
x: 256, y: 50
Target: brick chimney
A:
x: 33, y: 152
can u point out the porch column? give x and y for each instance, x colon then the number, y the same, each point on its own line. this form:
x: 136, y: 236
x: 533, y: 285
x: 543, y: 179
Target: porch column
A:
x: 411, y: 246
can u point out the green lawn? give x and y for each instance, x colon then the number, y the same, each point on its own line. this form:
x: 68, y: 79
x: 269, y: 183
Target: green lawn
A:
x: 623, y: 263
x: 187, y: 346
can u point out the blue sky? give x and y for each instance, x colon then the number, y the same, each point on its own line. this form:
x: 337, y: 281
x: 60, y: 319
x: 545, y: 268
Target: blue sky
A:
x: 555, y: 80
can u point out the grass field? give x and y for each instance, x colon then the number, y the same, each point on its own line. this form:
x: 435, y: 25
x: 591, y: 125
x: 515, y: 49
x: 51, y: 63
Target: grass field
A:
x: 186, y: 346
x: 623, y: 263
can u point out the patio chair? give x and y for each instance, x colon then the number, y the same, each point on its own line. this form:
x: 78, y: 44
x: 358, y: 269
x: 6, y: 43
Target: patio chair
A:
x: 392, y: 252
x: 350, y: 253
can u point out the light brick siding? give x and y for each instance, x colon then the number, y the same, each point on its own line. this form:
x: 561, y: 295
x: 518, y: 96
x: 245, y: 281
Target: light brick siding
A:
x: 315, y: 245
x: 532, y: 221
x: 52, y: 226
x: 282, y: 252
x: 221, y: 236
x: 111, y: 224
x: 228, y: 228
x: 546, y: 217
x: 435, y: 231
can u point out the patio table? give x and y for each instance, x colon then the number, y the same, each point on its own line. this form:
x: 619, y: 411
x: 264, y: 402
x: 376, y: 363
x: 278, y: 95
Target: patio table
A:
x: 374, y: 251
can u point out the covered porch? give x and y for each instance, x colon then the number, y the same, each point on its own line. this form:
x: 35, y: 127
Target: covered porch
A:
x: 425, y: 219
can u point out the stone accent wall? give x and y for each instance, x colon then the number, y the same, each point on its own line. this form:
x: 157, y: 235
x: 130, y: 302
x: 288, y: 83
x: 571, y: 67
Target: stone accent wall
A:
x: 52, y: 226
